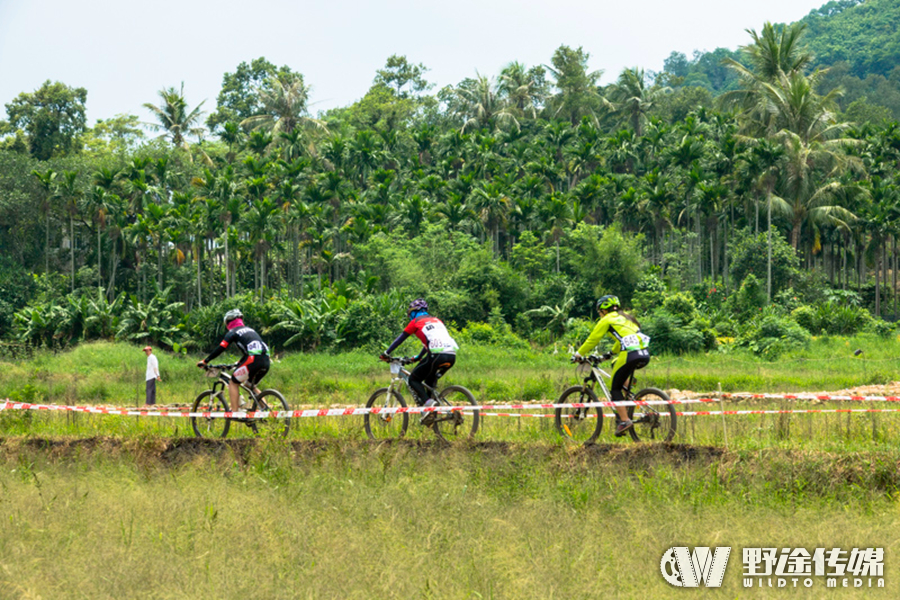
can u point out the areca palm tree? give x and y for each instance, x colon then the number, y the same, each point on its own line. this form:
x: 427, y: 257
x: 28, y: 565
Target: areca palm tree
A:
x: 174, y: 117
x: 556, y: 216
x: 71, y: 194
x: 492, y: 205
x: 47, y: 181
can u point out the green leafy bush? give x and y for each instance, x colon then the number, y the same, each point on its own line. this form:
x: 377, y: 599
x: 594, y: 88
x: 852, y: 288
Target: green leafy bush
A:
x: 771, y: 334
x: 649, y: 293
x: 748, y: 255
x: 670, y: 335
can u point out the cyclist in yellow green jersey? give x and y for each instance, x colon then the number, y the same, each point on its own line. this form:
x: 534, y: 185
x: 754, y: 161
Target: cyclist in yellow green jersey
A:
x: 631, y: 346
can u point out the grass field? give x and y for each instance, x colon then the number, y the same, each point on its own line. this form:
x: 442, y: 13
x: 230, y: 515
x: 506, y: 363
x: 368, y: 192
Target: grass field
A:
x: 150, y: 518
x: 110, y: 507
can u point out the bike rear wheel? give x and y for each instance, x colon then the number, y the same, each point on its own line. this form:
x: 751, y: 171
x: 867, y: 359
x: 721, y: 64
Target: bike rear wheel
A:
x: 208, y: 427
x: 579, y: 425
x: 386, y: 426
x: 456, y: 425
x: 657, y: 421
x: 270, y: 400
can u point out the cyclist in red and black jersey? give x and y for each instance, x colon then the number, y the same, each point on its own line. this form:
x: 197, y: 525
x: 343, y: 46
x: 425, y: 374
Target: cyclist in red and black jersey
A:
x: 438, y: 353
x: 254, y: 363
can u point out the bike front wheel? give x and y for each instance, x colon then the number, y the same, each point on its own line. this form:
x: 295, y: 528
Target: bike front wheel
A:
x: 271, y: 400
x: 579, y: 425
x: 656, y: 422
x: 208, y: 427
x: 457, y: 424
x: 389, y: 425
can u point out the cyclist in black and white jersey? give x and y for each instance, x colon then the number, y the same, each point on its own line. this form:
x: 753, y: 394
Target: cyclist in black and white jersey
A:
x: 254, y: 363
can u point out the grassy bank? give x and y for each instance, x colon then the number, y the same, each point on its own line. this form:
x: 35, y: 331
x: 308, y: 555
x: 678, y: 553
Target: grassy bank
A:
x: 104, y: 518
x: 104, y: 372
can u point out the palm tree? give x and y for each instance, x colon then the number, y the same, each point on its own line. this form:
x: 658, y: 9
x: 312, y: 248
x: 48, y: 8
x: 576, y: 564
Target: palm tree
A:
x: 47, y: 181
x: 284, y: 107
x: 773, y: 57
x: 482, y: 105
x: 579, y: 95
x: 521, y: 89
x: 71, y: 193
x: 633, y: 99
x: 492, y: 205
x: 556, y: 216
x: 174, y: 118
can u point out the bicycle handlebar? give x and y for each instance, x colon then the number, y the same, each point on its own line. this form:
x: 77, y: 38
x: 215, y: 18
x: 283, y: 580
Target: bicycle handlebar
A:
x: 594, y: 359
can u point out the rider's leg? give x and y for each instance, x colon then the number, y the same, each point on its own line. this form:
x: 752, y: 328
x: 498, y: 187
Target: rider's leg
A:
x: 619, y: 375
x: 439, y: 367
x: 623, y: 370
x: 234, y: 395
x: 418, y: 375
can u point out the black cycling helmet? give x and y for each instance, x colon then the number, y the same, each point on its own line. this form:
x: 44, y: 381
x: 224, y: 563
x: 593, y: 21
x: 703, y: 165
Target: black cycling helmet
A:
x: 233, y: 314
x: 607, y: 302
x: 419, y: 304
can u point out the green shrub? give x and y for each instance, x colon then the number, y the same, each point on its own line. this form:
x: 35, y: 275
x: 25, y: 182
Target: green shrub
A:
x: 485, y: 333
x: 771, y: 335
x: 669, y: 334
x: 808, y: 318
x: 882, y: 328
x: 748, y: 255
x: 649, y: 293
x: 681, y: 305
x: 751, y: 297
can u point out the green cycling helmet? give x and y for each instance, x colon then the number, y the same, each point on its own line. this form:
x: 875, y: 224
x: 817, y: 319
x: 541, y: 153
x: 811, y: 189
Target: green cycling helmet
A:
x: 607, y: 302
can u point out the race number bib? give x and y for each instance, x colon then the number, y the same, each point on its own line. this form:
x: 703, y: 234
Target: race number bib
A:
x: 635, y: 341
x: 438, y: 337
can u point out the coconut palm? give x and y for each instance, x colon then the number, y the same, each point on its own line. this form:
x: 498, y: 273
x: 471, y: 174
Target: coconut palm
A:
x: 633, y: 99
x: 174, y: 118
x: 482, y: 105
x: 284, y: 107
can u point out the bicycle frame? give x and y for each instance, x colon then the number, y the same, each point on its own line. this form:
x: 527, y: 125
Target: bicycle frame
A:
x: 400, y: 374
x: 596, y: 375
x: 223, y: 379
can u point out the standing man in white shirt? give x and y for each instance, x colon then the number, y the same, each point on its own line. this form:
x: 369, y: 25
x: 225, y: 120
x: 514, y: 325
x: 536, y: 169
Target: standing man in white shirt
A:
x: 152, y: 375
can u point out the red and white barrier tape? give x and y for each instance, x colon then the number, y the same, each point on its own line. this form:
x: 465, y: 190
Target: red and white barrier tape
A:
x: 332, y: 412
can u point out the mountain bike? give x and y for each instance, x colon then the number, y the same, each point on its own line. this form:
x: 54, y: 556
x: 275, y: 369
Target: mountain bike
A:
x: 449, y: 426
x: 215, y: 400
x: 652, y: 423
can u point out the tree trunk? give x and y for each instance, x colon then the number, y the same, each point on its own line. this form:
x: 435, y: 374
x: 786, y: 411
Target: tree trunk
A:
x: 769, y: 247
x: 877, y: 282
x: 47, y: 239
x: 113, y: 263
x: 199, y: 270
x: 99, y: 261
x: 72, y: 247
x: 894, y: 273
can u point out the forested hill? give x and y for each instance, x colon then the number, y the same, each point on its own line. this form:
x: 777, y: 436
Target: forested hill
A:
x: 857, y: 40
x: 862, y: 34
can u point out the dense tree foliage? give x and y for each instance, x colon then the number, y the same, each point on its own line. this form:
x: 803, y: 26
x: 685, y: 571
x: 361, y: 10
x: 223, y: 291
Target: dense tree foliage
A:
x: 510, y: 201
x: 856, y: 41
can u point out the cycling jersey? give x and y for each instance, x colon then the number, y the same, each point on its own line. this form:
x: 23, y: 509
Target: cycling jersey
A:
x: 431, y: 332
x: 626, y: 332
x: 245, y: 339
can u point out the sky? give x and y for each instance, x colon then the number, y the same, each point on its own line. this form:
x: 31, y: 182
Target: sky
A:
x: 123, y: 52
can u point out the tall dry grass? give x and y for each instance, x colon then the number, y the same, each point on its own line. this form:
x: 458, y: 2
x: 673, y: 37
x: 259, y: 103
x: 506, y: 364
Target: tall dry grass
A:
x: 152, y: 519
